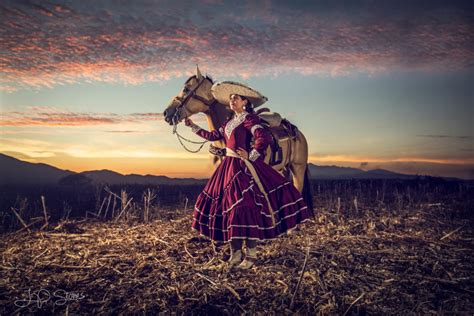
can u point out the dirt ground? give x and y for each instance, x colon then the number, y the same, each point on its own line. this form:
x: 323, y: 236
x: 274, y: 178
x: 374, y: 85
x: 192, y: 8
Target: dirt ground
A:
x: 377, y: 261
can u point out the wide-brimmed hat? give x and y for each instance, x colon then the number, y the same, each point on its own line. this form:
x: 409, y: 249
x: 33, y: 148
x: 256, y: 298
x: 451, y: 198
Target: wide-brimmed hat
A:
x: 223, y: 90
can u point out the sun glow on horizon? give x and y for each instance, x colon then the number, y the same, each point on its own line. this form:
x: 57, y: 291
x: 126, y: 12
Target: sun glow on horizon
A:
x: 200, y: 166
x: 358, y: 159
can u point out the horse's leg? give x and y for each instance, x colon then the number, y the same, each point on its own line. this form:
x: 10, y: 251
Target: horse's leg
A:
x: 299, y: 168
x: 298, y: 160
x: 298, y: 171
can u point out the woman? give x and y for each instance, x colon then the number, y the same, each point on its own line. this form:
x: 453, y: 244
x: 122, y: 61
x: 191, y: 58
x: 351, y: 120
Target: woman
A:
x: 245, y: 199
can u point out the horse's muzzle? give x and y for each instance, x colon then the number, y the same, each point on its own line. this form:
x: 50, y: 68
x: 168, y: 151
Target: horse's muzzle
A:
x: 168, y: 115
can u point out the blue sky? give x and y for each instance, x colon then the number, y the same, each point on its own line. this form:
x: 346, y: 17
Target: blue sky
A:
x: 372, y: 86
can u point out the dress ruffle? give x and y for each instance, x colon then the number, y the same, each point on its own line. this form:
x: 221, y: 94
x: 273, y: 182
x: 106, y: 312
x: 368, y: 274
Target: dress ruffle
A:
x: 231, y: 206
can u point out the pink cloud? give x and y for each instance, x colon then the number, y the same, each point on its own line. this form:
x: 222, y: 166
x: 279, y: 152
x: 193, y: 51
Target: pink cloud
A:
x: 50, y: 116
x: 134, y: 44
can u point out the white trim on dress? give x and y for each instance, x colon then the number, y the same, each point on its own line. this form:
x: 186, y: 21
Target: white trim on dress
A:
x: 195, y: 128
x: 234, y: 122
x: 252, y: 238
x: 253, y: 226
x: 252, y: 130
x: 254, y: 154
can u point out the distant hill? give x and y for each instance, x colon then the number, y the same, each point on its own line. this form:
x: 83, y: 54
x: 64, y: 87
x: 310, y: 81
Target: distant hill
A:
x: 14, y: 171
x: 111, y: 177
x: 385, y: 174
x: 335, y: 172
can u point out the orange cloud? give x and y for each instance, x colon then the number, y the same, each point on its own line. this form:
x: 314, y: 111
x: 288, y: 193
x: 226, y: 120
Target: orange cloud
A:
x: 49, y: 116
x: 359, y: 159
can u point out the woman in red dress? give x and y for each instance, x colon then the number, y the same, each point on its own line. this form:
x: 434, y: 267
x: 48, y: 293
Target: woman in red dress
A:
x: 245, y: 199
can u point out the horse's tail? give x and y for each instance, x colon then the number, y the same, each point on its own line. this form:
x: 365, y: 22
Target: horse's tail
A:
x: 307, y: 192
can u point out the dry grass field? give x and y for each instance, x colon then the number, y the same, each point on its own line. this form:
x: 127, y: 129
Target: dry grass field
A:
x: 364, y: 260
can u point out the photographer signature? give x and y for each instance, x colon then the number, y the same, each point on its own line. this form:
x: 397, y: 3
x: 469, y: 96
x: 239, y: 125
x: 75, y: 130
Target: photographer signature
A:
x: 42, y: 296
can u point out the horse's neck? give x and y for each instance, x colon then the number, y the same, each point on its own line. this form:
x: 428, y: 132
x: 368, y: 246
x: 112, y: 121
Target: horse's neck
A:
x: 216, y: 115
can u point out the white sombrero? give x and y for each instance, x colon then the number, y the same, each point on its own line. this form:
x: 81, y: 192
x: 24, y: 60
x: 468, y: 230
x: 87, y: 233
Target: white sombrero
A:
x: 222, y: 91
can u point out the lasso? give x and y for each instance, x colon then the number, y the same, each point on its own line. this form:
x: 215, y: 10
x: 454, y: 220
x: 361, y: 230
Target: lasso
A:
x: 175, y: 119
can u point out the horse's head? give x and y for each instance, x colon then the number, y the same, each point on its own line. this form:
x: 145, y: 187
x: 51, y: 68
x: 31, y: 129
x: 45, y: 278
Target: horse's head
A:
x: 195, y: 97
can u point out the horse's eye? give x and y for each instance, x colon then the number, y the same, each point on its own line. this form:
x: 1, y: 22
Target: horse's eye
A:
x: 185, y: 89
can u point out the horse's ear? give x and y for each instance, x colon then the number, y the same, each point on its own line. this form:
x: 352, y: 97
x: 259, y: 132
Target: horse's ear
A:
x: 198, y: 73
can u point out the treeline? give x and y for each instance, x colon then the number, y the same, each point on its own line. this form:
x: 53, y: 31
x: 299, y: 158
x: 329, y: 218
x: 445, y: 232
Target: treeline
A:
x: 77, y: 196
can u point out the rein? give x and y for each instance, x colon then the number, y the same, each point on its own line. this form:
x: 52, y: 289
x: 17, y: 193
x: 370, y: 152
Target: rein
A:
x: 181, y: 138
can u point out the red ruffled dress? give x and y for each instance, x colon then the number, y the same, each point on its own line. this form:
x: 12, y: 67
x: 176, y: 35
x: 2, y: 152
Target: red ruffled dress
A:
x: 231, y: 206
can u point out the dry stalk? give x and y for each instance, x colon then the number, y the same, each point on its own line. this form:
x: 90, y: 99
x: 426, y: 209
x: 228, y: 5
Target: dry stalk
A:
x: 449, y: 234
x: 148, y: 197
x: 45, y: 213
x: 20, y: 219
x: 301, y: 276
x: 108, y: 204
x: 101, y: 206
x: 352, y: 304
x: 124, y: 201
x: 37, y: 220
x: 186, y: 204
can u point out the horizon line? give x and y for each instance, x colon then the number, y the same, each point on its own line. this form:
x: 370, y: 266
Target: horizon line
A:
x: 207, y: 177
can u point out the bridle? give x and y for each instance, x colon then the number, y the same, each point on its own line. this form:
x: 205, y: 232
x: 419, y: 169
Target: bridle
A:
x: 190, y: 95
x: 182, y: 105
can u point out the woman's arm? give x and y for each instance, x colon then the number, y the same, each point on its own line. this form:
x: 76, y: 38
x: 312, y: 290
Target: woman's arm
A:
x: 261, y: 135
x: 211, y: 136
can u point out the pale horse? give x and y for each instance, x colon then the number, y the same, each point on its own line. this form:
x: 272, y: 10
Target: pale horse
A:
x: 196, y: 97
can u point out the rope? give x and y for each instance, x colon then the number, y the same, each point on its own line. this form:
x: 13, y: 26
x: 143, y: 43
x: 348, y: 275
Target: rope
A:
x: 181, y: 138
x: 190, y: 141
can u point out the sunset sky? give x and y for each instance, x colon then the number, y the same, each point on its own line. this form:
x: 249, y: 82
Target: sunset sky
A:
x: 371, y: 84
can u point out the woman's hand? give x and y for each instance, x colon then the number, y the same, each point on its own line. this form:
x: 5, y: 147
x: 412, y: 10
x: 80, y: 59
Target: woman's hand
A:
x: 188, y: 122
x: 242, y: 153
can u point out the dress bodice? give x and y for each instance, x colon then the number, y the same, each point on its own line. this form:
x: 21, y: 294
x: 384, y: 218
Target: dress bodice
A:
x: 236, y: 135
x: 238, y: 132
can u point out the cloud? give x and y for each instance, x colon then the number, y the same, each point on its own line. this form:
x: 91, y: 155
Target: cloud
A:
x: 447, y: 136
x: 443, y: 167
x: 50, y: 116
x: 464, y: 171
x: 359, y: 160
x: 124, y: 132
x: 132, y: 43
x: 17, y: 155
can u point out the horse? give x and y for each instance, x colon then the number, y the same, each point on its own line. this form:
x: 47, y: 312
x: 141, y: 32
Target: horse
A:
x: 196, y: 97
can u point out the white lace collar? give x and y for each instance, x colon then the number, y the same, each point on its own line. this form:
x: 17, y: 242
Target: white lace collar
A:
x: 234, y: 122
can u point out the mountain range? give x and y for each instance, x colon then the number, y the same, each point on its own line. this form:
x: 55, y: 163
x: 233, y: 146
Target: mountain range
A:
x: 335, y: 172
x: 15, y: 171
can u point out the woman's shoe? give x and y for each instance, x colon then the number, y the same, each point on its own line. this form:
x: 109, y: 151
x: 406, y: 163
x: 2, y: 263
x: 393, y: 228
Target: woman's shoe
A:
x: 247, y: 263
x: 235, y: 258
x: 250, y: 258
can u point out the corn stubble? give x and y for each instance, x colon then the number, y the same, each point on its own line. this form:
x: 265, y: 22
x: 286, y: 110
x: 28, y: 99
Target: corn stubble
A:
x: 352, y: 258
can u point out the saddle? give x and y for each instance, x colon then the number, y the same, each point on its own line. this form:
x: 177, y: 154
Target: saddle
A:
x: 272, y: 119
x: 280, y: 129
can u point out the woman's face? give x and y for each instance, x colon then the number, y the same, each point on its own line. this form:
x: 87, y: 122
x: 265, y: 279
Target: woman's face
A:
x: 236, y: 103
